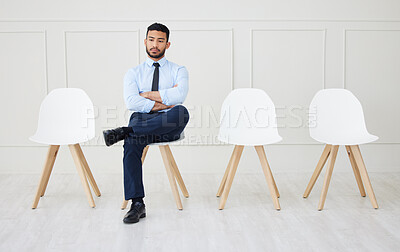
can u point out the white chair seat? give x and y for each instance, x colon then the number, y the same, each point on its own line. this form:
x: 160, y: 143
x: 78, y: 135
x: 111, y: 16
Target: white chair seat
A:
x: 182, y: 136
x: 346, y: 140
x: 58, y: 140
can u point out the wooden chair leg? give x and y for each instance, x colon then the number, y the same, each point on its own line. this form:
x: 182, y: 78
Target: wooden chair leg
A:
x: 328, y: 175
x: 47, y: 168
x: 272, y: 177
x: 276, y: 188
x: 364, y: 174
x: 78, y: 163
x: 144, y: 154
x: 171, y: 177
x: 318, y: 169
x: 177, y: 174
x: 125, y: 202
x: 88, y: 172
x: 53, y: 159
x: 268, y: 175
x: 355, y: 170
x: 236, y: 158
x: 223, y: 182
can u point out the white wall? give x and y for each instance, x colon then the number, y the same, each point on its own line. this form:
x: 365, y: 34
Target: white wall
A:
x: 291, y: 49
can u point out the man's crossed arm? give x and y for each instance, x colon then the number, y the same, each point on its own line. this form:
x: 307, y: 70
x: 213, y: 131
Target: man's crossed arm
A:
x: 155, y: 96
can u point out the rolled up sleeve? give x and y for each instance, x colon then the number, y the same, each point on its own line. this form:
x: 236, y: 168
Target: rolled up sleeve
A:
x: 133, y: 101
x: 176, y: 95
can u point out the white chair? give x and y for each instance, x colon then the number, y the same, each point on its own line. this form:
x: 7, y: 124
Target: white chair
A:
x: 66, y: 117
x: 172, y: 171
x: 337, y: 118
x: 248, y: 119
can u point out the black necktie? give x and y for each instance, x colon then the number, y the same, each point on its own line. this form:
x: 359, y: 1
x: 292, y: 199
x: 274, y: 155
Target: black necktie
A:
x: 154, y: 86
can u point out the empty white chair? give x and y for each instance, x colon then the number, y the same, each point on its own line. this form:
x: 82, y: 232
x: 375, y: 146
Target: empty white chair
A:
x: 248, y: 118
x: 172, y: 171
x: 66, y: 117
x: 337, y: 118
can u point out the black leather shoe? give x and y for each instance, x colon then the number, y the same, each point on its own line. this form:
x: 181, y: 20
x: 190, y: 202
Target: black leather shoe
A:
x: 138, y: 210
x: 113, y: 136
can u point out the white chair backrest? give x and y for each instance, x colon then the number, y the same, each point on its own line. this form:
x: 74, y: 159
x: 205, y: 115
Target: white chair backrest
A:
x: 248, y: 118
x: 66, y: 117
x: 336, y: 117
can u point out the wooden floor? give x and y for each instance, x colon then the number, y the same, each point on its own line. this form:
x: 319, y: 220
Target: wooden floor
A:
x: 64, y: 221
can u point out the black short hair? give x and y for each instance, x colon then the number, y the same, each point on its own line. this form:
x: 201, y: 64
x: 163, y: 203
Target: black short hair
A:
x: 158, y: 27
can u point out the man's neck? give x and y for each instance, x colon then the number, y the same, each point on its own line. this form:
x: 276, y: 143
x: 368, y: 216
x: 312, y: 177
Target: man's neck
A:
x: 156, y: 59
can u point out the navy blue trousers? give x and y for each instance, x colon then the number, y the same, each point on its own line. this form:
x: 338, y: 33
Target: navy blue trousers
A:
x: 147, y: 129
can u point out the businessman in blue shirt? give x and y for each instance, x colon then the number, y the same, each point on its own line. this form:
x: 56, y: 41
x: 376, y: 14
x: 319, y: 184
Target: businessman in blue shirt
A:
x: 154, y: 90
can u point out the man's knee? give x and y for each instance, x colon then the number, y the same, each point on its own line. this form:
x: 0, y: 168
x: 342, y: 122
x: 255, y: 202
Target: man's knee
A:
x: 183, y: 113
x: 180, y: 107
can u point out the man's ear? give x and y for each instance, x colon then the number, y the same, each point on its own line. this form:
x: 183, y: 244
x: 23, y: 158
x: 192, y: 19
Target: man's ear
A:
x: 145, y: 41
x: 168, y: 45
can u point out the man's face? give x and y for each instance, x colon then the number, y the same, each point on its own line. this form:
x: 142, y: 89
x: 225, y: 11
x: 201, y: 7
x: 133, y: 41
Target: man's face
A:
x: 156, y: 44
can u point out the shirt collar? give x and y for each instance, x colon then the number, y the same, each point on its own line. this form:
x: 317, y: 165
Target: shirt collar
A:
x: 161, y: 61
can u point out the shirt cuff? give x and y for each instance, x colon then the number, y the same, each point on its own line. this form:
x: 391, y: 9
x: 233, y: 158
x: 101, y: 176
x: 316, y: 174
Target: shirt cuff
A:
x: 148, y: 106
x: 164, y: 97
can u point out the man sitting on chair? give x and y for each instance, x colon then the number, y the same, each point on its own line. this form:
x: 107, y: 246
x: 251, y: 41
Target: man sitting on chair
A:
x: 153, y: 91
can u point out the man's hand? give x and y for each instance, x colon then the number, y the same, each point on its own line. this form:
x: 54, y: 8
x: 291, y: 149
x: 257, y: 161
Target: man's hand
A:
x: 152, y: 95
x: 160, y: 106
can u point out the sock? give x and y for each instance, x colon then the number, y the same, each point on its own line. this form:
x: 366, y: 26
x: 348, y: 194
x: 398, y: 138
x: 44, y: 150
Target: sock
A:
x: 127, y: 130
x: 139, y: 199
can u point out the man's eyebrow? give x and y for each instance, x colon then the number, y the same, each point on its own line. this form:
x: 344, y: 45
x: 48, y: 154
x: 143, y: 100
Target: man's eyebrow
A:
x: 151, y: 37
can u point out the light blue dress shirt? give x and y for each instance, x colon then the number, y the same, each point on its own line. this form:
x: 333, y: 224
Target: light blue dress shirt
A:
x: 139, y: 79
